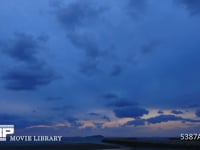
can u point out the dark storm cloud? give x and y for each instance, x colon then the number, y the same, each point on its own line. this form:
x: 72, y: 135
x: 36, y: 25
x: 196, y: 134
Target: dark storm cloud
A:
x: 193, y: 6
x: 20, y: 122
x: 132, y: 112
x: 114, y: 101
x: 28, y: 77
x: 33, y: 72
x: 168, y: 78
x: 77, y: 14
x: 176, y: 112
x: 160, y: 112
x: 163, y: 118
x: 137, y: 122
x: 106, y: 118
x: 160, y: 119
x: 22, y: 48
x: 166, y: 118
x: 93, y: 52
x: 136, y: 8
x: 198, y: 113
x: 74, y: 17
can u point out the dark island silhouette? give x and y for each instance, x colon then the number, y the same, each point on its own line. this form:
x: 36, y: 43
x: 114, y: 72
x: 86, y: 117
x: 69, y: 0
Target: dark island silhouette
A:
x: 154, y: 142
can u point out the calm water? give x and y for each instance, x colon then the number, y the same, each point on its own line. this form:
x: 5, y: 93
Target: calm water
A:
x: 71, y: 140
x: 142, y: 149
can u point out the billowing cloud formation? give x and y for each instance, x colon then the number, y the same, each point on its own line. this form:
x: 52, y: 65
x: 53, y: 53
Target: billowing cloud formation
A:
x: 93, y: 51
x: 73, y: 17
x: 23, y: 48
x: 163, y: 118
x: 29, y: 72
x: 99, y: 116
x: 77, y: 18
x: 144, y: 54
x: 198, y: 113
x: 160, y: 112
x: 20, y: 122
x: 160, y: 119
x: 28, y: 77
x: 137, y: 122
x: 176, y: 112
x: 106, y: 118
x: 166, y: 118
x: 115, y: 101
x: 132, y: 112
x: 122, y: 107
x: 77, y: 14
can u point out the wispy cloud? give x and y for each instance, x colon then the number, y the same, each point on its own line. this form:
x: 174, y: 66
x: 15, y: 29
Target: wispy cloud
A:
x: 66, y: 124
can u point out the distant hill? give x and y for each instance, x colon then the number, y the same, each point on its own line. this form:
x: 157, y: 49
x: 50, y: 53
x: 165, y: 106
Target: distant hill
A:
x: 95, y: 136
x: 86, y: 139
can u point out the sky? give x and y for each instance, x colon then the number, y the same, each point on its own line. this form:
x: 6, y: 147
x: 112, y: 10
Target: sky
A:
x: 109, y: 67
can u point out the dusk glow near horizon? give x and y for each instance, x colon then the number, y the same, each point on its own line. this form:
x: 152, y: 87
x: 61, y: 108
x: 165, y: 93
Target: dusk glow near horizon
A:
x: 127, y: 68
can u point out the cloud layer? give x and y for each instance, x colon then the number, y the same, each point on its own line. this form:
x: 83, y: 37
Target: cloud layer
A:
x: 100, y: 67
x: 28, y: 71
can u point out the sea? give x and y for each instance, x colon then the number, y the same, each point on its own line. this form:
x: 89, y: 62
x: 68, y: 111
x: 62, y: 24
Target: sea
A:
x: 98, y: 140
x: 128, y: 148
x: 93, y: 140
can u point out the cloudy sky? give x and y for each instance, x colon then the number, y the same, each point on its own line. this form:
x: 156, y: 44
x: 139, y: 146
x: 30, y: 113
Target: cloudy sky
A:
x: 110, y: 67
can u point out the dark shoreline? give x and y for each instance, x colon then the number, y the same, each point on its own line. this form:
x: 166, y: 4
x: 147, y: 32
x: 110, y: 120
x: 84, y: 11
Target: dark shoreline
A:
x: 153, y: 143
x: 75, y: 146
